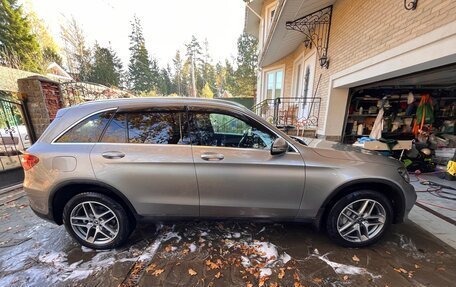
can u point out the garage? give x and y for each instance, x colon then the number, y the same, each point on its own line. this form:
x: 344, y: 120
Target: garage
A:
x: 419, y: 112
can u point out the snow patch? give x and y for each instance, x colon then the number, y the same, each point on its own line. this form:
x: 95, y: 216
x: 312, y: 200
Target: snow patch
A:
x: 265, y: 272
x: 192, y: 247
x: 345, y: 269
x: 285, y: 258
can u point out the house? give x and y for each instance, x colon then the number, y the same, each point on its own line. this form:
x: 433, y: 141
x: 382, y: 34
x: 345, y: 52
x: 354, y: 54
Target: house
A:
x: 331, y: 62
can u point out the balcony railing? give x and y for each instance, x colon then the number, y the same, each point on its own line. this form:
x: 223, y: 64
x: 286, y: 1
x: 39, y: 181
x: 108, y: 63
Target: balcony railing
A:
x: 300, y: 113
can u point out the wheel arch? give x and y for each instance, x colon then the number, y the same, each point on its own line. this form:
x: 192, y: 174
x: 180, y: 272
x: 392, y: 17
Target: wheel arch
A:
x: 64, y: 191
x: 388, y: 188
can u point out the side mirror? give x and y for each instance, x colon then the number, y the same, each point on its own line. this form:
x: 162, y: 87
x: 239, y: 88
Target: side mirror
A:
x: 279, y: 146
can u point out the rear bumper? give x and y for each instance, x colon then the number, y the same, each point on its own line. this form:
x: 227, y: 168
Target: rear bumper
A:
x: 48, y: 217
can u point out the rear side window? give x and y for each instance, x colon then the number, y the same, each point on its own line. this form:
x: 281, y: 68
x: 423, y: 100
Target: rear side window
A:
x: 146, y: 128
x: 88, y: 130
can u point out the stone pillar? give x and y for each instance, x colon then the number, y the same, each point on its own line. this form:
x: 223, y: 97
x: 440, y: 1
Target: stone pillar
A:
x: 42, y: 98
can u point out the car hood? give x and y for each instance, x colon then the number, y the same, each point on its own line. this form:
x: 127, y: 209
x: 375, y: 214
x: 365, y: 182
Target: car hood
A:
x: 337, y: 150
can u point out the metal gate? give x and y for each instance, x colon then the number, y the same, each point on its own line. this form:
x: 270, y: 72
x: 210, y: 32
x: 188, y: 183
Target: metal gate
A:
x: 14, y: 140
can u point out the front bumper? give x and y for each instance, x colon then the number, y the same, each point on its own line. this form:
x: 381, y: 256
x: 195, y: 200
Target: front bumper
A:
x: 410, y: 197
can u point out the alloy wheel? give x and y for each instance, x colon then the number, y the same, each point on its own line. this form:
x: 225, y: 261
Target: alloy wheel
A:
x: 361, y: 220
x: 94, y: 222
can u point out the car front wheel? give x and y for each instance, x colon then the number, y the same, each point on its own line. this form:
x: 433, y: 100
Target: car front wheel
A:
x: 359, y: 218
x: 96, y: 221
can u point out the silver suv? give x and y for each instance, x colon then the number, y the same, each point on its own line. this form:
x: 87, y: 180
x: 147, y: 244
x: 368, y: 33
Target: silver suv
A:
x: 102, y: 166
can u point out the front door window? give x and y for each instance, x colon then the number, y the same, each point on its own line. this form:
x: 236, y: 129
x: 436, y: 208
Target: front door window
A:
x: 223, y: 130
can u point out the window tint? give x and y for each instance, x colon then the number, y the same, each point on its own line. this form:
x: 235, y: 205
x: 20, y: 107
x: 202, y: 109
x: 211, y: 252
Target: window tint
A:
x: 217, y: 129
x: 117, y: 130
x: 89, y: 130
x: 147, y: 128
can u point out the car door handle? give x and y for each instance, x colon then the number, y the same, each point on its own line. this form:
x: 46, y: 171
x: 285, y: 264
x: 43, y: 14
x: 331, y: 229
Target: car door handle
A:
x: 212, y: 156
x: 113, y: 154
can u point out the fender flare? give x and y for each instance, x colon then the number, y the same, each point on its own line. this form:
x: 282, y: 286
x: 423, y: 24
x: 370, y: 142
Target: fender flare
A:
x: 395, y: 188
x: 91, y: 182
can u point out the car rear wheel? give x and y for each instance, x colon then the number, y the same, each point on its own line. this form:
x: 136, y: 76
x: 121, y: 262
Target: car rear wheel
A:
x: 359, y: 218
x: 96, y: 221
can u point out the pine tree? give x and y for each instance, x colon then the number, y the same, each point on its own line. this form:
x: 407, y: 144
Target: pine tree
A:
x: 16, y: 39
x: 140, y: 76
x: 177, y: 79
x: 77, y: 54
x: 194, y: 59
x: 166, y: 85
x: 247, y: 61
x: 106, y: 68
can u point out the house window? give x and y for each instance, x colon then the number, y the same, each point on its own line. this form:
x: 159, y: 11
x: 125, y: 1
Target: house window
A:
x: 270, y: 12
x: 274, y: 84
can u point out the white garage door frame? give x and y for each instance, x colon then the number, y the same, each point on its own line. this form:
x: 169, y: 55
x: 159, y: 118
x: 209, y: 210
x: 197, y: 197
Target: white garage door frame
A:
x: 431, y: 50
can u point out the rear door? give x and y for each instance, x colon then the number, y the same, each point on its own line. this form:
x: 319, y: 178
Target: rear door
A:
x: 145, y: 155
x: 237, y: 175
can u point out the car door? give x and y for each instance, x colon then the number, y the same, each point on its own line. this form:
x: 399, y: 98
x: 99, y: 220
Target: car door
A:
x: 237, y: 175
x: 143, y: 154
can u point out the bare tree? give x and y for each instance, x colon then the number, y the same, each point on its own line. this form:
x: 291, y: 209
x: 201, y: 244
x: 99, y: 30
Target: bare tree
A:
x: 77, y: 55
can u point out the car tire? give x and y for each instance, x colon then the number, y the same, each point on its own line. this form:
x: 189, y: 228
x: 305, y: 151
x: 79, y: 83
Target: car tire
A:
x: 97, y: 221
x: 359, y: 219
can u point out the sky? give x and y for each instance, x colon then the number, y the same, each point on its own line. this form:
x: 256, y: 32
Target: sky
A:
x: 167, y: 24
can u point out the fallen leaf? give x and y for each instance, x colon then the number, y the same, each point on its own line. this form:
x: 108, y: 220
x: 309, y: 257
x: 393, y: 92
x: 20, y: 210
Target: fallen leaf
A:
x: 317, y: 280
x: 218, y: 275
x: 345, y: 277
x: 355, y: 258
x: 417, y: 266
x: 281, y: 273
x: 158, y: 272
x: 192, y: 272
x: 441, y: 268
x: 168, y: 248
x: 263, y: 281
x: 248, y: 284
x: 297, y: 284
x: 410, y: 274
x: 295, y: 276
x: 400, y: 270
x: 273, y: 284
x: 150, y: 267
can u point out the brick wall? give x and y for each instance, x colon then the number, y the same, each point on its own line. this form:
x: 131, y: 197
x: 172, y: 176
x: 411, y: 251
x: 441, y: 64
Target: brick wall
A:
x: 361, y: 29
x: 42, y: 97
x: 52, y: 97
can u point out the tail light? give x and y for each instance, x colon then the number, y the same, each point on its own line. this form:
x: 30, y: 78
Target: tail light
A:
x: 29, y: 160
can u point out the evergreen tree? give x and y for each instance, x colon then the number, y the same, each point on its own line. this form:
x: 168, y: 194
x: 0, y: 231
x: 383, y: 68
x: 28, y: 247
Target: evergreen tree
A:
x: 16, y: 39
x: 230, y: 81
x: 140, y: 76
x: 106, y: 68
x: 177, y: 79
x: 247, y: 61
x: 77, y: 54
x: 194, y: 58
x: 166, y: 85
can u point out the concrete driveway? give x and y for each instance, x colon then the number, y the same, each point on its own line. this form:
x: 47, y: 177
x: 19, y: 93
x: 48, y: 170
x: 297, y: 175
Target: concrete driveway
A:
x: 36, y: 253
